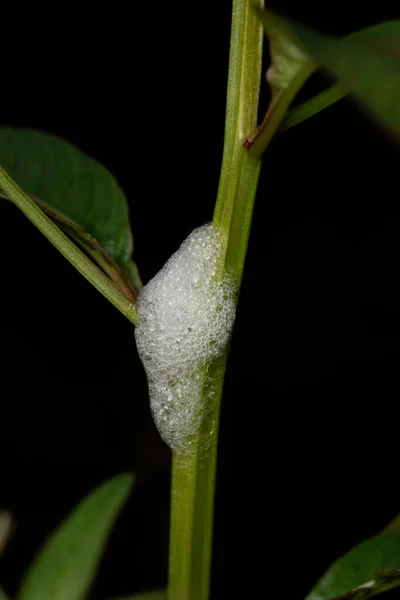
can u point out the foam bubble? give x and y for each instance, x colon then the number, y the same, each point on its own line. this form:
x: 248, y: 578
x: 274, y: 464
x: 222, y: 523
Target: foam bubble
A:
x: 185, y: 317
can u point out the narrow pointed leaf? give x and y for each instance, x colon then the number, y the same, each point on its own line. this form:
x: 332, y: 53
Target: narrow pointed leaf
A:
x: 373, y: 564
x: 65, y: 567
x: 78, y: 186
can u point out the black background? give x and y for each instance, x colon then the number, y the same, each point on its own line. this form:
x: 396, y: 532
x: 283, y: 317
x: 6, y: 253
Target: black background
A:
x: 308, y: 461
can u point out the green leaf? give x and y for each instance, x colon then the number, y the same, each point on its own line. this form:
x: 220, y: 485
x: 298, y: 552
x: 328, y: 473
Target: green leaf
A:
x: 78, y: 186
x: 385, y: 34
x: 359, y: 568
x: 66, y: 566
x: 385, y: 579
x: 287, y: 56
x: 154, y: 595
x: 366, y: 63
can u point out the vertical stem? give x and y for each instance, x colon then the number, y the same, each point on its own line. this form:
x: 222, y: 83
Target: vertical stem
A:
x: 183, y: 493
x: 240, y: 171
x: 193, y: 477
x: 192, y: 503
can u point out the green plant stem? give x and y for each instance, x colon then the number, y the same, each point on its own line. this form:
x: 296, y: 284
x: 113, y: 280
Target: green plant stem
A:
x: 192, y: 503
x: 193, y: 476
x: 240, y: 171
x: 66, y: 247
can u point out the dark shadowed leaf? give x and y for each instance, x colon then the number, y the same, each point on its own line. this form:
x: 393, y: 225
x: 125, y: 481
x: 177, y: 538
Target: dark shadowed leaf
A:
x: 74, y: 184
x: 5, y: 529
x: 393, y: 526
x: 373, y: 564
x: 3, y: 595
x: 155, y: 595
x: 385, y: 579
x: 366, y: 63
x: 384, y: 35
x: 65, y: 567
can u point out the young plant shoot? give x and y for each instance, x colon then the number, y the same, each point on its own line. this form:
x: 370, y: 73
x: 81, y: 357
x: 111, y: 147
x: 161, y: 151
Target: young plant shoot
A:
x: 184, y: 316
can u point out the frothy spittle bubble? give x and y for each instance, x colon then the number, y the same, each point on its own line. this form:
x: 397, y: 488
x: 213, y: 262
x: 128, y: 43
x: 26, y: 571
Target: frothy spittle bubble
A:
x: 185, y: 316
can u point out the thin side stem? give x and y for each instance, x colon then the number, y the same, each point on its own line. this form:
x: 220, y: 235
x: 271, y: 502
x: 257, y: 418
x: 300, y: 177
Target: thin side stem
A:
x: 269, y: 128
x: 66, y: 247
x: 89, y: 244
x: 313, y: 106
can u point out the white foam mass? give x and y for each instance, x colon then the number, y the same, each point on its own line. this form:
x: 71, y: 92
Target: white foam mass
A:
x: 185, y: 317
